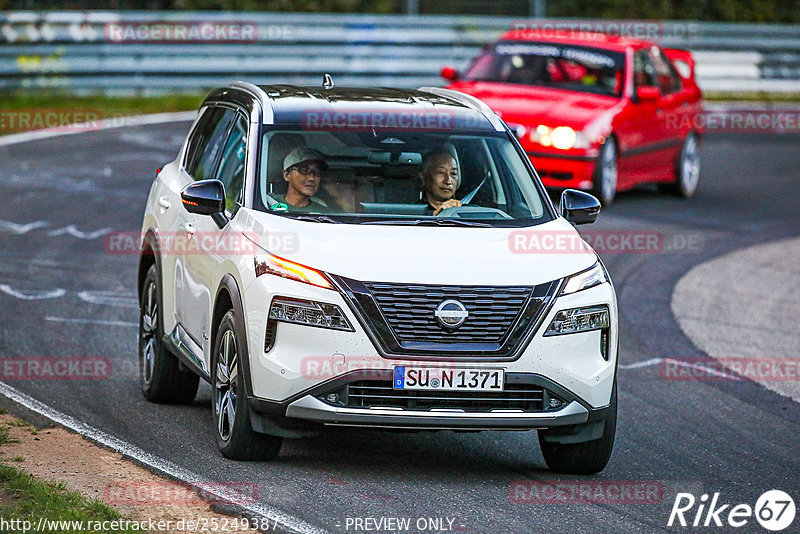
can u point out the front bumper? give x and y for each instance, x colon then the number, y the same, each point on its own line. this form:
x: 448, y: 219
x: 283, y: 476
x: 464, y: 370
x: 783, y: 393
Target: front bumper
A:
x: 306, y: 363
x: 407, y: 410
x: 564, y: 171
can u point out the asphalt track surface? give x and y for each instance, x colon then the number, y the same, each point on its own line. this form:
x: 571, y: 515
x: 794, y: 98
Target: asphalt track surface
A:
x: 63, y: 294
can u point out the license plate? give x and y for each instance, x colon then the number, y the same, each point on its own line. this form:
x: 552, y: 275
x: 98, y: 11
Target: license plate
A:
x: 448, y: 379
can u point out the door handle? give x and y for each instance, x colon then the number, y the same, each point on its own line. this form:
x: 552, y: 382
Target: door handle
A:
x: 189, y: 228
x: 164, y: 203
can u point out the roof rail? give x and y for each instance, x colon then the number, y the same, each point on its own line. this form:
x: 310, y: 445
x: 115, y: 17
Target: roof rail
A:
x: 471, y: 102
x: 256, y: 91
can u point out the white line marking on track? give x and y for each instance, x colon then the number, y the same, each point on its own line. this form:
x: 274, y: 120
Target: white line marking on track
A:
x: 88, y: 321
x: 646, y: 363
x: 19, y: 229
x: 155, y: 463
x: 74, y: 232
x: 110, y: 298
x: 33, y: 294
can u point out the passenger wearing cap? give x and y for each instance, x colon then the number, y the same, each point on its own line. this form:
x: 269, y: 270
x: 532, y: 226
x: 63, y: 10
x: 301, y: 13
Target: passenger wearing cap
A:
x: 302, y: 169
x: 439, y: 179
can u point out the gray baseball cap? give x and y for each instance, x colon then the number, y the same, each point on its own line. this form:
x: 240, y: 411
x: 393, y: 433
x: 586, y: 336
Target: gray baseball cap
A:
x: 303, y: 154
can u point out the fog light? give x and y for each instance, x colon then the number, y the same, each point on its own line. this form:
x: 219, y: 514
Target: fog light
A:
x: 555, y: 403
x: 309, y: 313
x: 579, y: 320
x: 333, y: 398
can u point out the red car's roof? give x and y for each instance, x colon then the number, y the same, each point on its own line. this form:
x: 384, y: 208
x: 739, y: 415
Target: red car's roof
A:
x: 576, y: 37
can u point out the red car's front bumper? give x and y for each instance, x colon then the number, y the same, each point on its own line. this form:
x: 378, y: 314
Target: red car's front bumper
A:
x: 564, y: 171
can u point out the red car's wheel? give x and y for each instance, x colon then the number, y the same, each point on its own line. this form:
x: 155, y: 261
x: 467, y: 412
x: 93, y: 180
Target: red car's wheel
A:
x: 605, y: 173
x: 687, y: 171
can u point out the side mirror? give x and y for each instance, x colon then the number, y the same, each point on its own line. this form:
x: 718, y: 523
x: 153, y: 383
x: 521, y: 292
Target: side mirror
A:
x: 578, y: 207
x: 647, y: 93
x: 205, y: 197
x: 449, y: 73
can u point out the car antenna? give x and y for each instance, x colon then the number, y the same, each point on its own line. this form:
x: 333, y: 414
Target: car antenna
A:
x: 327, y: 81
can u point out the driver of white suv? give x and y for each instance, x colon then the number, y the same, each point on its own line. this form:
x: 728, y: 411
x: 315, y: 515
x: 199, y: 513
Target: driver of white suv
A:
x: 439, y: 179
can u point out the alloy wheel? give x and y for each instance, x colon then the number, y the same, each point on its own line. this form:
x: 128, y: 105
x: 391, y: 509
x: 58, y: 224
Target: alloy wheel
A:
x: 148, y: 333
x: 225, y: 385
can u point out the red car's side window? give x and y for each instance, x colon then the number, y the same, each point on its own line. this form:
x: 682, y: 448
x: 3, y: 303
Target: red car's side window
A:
x: 644, y: 73
x: 668, y: 79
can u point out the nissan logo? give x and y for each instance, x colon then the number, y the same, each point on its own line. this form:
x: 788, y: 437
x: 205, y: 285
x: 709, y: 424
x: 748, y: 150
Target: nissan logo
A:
x: 451, y: 314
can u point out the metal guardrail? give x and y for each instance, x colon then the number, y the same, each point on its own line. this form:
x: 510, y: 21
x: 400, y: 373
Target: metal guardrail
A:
x: 101, y: 51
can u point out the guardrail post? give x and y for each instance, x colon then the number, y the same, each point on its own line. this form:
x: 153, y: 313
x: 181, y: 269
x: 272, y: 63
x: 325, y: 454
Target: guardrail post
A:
x: 538, y: 8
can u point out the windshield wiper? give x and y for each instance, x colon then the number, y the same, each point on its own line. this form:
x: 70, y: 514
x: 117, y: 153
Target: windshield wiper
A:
x: 430, y: 222
x: 315, y: 218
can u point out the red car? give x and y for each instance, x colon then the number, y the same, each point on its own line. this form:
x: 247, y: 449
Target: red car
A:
x: 598, y: 113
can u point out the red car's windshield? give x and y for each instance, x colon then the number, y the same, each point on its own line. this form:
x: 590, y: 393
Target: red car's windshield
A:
x: 577, y: 68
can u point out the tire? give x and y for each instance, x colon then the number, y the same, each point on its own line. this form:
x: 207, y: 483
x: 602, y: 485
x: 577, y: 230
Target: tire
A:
x: 687, y: 169
x: 235, y: 437
x: 161, y: 377
x: 588, y: 457
x: 605, y: 173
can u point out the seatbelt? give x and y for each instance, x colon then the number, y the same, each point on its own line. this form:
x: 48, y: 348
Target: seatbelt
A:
x: 467, y: 199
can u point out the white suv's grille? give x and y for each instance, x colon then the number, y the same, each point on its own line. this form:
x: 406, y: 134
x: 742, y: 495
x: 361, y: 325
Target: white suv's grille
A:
x: 409, y: 310
x: 402, y: 318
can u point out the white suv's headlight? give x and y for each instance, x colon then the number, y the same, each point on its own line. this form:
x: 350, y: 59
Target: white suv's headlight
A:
x: 304, y: 312
x: 309, y: 313
x: 593, y: 276
x: 577, y: 320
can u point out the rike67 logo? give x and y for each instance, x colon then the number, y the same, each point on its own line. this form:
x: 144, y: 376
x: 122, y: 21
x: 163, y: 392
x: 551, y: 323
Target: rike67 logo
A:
x: 774, y: 510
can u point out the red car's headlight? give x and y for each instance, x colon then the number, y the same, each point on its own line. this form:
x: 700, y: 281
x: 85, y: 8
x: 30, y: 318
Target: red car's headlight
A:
x: 560, y: 137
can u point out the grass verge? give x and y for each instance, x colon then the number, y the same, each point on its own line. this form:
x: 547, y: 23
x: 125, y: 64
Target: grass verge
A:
x: 25, y: 500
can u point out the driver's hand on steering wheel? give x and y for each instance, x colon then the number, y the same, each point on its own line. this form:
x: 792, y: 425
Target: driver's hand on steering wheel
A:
x: 452, y: 203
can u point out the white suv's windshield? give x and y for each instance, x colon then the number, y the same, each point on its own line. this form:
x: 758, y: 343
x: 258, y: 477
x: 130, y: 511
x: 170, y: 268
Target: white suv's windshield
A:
x: 399, y: 177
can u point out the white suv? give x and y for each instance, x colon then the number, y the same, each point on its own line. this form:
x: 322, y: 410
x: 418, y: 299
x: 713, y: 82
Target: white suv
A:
x: 368, y: 257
